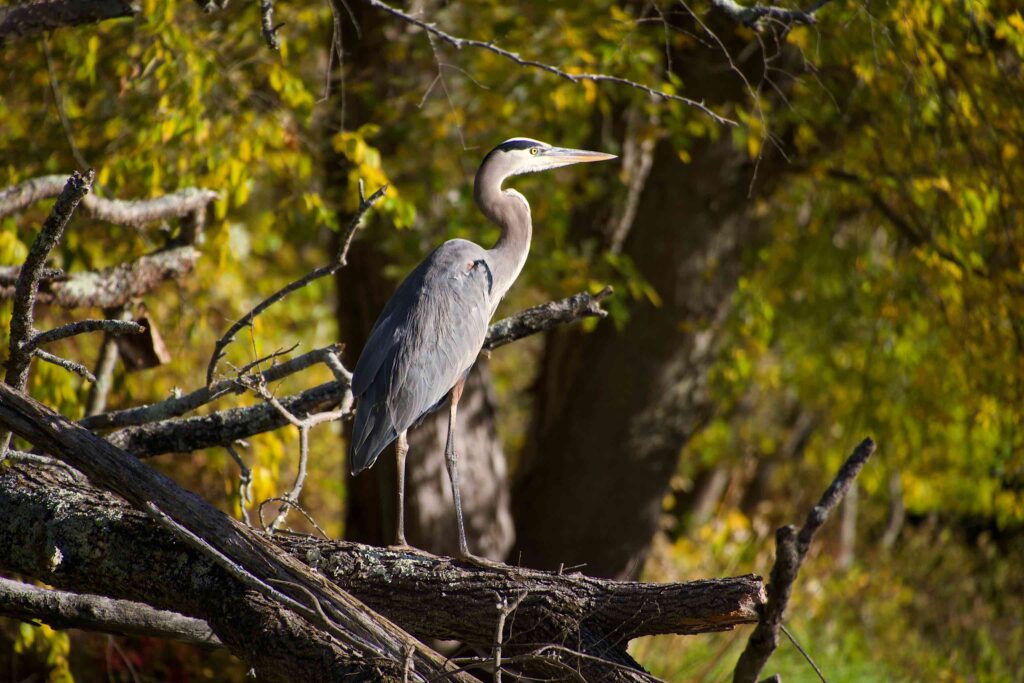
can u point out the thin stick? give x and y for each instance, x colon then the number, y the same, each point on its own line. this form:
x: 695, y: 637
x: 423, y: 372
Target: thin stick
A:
x: 27, y: 286
x: 69, y: 365
x: 791, y: 549
x: 83, y: 327
x: 329, y: 269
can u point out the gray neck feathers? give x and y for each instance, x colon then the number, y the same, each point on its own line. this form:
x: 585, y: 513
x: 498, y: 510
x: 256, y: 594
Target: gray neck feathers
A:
x: 510, y: 211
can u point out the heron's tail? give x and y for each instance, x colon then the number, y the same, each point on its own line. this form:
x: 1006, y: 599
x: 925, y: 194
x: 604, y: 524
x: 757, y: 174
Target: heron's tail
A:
x: 372, y: 431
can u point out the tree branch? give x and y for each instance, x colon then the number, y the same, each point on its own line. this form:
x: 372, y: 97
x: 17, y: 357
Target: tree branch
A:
x: 431, y: 597
x: 323, y: 271
x: 354, y: 641
x: 120, y: 212
x: 27, y: 286
x: 37, y: 16
x: 791, y: 549
x: 62, y: 610
x: 112, y: 287
x: 545, y: 317
x: 459, y: 43
x: 84, y: 327
x: 69, y: 365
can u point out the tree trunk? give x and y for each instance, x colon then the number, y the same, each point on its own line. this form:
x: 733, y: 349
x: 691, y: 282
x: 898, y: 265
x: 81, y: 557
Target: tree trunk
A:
x: 614, y: 408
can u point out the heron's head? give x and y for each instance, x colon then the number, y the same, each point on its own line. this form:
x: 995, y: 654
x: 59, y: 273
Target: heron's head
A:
x: 524, y: 155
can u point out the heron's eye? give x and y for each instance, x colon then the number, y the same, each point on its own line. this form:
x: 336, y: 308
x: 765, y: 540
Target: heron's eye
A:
x: 534, y: 151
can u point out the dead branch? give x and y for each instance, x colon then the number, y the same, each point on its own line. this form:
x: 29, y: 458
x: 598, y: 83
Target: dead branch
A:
x: 27, y: 285
x: 69, y: 365
x: 545, y: 317
x: 61, y: 609
x: 267, y: 24
x: 120, y: 212
x: 338, y: 262
x: 791, y: 549
x: 431, y: 597
x: 181, y: 405
x: 83, y: 327
x: 353, y: 642
x: 113, y: 287
x: 37, y: 16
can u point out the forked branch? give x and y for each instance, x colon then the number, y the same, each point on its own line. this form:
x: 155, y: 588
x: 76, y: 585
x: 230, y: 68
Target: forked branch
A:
x: 791, y: 549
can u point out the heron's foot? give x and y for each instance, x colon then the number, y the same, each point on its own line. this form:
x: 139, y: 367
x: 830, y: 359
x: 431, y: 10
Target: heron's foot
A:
x: 406, y: 548
x: 483, y: 562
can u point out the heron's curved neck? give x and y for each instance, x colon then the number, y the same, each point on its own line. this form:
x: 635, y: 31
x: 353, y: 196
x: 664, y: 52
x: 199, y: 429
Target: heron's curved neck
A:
x: 511, y: 212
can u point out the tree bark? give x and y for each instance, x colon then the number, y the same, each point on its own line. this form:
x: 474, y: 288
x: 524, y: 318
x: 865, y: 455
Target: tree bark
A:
x: 64, y: 531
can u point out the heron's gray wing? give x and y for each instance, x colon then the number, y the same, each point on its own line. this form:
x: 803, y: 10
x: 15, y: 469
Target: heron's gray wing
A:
x: 427, y: 336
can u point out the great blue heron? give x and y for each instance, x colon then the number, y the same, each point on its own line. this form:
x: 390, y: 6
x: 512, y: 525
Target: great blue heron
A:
x: 429, y: 334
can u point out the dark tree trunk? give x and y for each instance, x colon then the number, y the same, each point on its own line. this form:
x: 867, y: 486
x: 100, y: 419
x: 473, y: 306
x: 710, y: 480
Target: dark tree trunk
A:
x: 614, y: 408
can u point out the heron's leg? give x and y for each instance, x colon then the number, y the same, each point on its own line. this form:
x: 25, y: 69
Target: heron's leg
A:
x: 451, y: 459
x: 401, y: 449
x: 453, y: 473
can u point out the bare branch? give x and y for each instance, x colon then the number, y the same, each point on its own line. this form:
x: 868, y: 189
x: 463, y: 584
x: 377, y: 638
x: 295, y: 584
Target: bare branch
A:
x: 752, y: 17
x: 61, y: 610
x: 791, y: 549
x: 27, y: 285
x: 181, y: 405
x: 112, y: 287
x: 546, y: 316
x: 37, y: 16
x: 323, y: 271
x: 267, y: 24
x: 120, y: 212
x: 68, y: 365
x: 459, y: 43
x: 84, y: 327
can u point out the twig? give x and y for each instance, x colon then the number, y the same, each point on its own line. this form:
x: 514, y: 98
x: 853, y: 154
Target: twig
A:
x: 305, y: 513
x: 84, y: 327
x: 120, y: 212
x: 105, y: 365
x: 69, y: 365
x: 791, y: 549
x: 323, y: 271
x: 802, y: 651
x: 504, y: 609
x: 303, y: 425
x: 267, y: 24
x: 176, y: 406
x: 27, y: 286
x: 244, y: 483
x: 459, y: 43
x: 61, y: 610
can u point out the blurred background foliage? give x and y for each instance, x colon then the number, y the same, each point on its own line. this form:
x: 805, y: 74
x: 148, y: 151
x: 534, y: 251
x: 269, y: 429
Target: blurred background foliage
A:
x: 888, y: 300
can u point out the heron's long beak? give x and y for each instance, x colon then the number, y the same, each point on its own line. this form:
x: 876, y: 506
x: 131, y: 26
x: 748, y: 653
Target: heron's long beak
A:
x: 576, y: 156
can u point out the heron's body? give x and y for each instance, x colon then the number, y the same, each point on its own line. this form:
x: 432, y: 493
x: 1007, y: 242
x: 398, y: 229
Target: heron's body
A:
x: 430, y: 332
x: 417, y: 352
